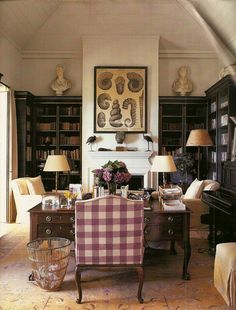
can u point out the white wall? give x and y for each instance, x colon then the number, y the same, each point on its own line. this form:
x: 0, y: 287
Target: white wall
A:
x: 38, y: 72
x: 120, y: 51
x: 10, y: 62
x: 203, y: 72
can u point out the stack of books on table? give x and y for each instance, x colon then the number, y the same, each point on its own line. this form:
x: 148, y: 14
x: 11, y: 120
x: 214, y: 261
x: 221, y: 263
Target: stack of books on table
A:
x: 170, y: 197
x: 173, y: 205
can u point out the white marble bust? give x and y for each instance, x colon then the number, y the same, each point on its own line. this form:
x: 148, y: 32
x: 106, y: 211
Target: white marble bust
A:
x: 60, y: 84
x: 182, y: 85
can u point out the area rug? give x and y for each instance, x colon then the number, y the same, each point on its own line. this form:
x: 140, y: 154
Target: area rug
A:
x: 163, y: 286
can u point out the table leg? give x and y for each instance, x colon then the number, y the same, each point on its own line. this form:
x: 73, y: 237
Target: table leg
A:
x: 187, y: 249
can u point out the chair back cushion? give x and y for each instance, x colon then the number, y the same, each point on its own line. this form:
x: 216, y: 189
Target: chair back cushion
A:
x: 109, y: 230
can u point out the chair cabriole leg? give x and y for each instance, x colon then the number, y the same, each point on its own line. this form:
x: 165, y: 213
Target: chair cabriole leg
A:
x: 78, y: 284
x: 140, y: 287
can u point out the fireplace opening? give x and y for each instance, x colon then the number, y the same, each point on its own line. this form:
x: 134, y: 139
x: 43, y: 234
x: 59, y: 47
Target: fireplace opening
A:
x: 136, y: 182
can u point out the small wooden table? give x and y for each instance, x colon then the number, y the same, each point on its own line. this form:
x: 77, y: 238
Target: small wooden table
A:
x: 160, y: 225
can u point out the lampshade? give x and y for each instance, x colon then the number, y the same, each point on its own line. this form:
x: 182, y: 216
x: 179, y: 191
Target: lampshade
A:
x: 199, y: 137
x: 56, y: 163
x: 163, y: 163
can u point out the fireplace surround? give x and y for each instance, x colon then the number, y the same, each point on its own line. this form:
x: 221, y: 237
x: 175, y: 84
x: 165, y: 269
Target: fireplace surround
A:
x: 138, y: 164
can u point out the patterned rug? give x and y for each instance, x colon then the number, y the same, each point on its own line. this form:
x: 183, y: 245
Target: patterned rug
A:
x: 105, y: 290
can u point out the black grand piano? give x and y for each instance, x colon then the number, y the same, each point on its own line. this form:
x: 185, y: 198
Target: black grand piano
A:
x: 222, y: 208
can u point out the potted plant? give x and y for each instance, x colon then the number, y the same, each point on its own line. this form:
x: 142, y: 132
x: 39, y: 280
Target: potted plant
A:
x: 113, y: 174
x: 185, y: 168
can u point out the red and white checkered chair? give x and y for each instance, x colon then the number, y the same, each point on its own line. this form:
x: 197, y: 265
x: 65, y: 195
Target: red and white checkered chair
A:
x: 109, y: 233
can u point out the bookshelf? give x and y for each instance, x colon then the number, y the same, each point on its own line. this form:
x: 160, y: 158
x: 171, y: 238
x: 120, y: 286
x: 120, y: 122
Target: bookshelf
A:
x: 221, y: 99
x: 178, y: 115
x: 58, y: 131
x: 24, y: 103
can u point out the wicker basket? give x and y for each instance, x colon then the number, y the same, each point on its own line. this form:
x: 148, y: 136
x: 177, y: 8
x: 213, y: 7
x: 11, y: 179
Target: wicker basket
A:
x: 49, y: 259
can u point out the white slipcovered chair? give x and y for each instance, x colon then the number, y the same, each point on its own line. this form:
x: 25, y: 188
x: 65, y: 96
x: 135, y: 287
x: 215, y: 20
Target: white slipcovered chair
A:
x: 27, y: 193
x: 225, y: 272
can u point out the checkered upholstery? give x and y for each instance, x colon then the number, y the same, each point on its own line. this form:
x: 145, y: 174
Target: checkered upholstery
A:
x: 109, y: 230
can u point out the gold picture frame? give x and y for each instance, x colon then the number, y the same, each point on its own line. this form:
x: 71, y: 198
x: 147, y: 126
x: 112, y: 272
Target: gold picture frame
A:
x: 120, y: 99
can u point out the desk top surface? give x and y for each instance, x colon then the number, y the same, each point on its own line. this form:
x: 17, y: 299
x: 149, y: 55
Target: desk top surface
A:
x: 154, y: 205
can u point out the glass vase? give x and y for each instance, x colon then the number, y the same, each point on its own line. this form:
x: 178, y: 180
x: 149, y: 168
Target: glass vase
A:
x: 111, y: 188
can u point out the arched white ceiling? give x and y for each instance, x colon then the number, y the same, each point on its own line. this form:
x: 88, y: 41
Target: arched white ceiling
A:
x: 44, y: 25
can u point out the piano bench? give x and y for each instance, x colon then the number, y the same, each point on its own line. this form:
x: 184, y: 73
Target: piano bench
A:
x: 225, y: 272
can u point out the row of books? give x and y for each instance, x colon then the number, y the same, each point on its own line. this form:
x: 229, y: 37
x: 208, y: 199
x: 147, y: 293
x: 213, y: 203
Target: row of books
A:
x: 69, y: 126
x: 69, y: 140
x: 28, y: 153
x: 172, y: 126
x: 74, y: 154
x: 69, y: 110
x: 171, y: 141
x: 191, y: 126
x: 46, y: 126
x: 46, y: 140
x: 224, y: 138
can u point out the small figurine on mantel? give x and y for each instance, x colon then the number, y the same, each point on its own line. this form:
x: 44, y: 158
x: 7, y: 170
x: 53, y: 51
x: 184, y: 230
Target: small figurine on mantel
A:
x: 182, y: 85
x: 60, y: 84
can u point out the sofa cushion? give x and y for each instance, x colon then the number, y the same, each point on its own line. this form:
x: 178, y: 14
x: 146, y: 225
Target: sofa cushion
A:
x: 35, y: 186
x: 210, y: 185
x: 195, y: 190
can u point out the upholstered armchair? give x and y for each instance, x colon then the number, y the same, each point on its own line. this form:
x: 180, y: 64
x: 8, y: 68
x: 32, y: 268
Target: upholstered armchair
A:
x: 109, y: 233
x: 27, y: 193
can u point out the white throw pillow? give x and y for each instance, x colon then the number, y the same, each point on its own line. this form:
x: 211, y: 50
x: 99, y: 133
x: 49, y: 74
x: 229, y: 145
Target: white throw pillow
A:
x: 35, y: 186
x: 195, y: 190
x: 210, y: 185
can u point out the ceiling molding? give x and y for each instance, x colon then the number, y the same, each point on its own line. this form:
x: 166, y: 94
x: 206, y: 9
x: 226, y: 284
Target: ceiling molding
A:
x: 34, y: 54
x: 187, y: 54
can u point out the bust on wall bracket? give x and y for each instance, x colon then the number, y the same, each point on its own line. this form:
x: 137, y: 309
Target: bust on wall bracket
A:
x: 60, y: 84
x: 182, y: 85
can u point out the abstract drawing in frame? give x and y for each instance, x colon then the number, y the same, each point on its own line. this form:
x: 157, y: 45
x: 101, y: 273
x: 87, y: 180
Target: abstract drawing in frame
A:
x: 120, y: 99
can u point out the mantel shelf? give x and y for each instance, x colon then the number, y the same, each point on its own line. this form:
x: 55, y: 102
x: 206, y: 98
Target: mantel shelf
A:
x: 120, y: 154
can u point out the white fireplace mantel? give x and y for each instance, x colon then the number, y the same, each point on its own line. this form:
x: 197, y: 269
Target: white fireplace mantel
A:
x: 137, y: 163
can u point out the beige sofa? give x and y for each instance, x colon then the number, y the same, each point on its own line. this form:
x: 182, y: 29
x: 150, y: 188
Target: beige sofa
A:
x: 27, y: 193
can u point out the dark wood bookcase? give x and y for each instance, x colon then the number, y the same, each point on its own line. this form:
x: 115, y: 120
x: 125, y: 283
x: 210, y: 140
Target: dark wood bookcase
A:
x: 58, y: 123
x: 221, y: 99
x: 55, y: 128
x: 24, y: 104
x: 178, y: 115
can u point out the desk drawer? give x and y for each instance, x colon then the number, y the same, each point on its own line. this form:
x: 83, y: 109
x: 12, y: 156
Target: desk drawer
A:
x: 163, y: 232
x: 169, y: 219
x: 163, y: 227
x: 60, y: 230
x: 56, y: 218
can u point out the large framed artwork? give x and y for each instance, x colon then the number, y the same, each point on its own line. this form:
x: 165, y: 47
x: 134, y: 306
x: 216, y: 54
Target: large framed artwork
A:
x: 120, y: 99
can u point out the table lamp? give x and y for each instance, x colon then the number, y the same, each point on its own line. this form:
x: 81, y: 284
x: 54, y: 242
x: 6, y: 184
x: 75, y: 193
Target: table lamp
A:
x: 199, y: 137
x: 56, y: 163
x: 163, y: 163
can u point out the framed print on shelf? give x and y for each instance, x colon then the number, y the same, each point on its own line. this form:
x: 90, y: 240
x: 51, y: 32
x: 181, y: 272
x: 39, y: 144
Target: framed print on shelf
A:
x: 120, y: 99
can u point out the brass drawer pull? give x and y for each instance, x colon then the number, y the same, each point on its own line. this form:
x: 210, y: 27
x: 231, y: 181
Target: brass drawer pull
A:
x: 170, y: 232
x: 72, y: 219
x: 146, y: 219
x: 48, y: 231
x: 48, y: 218
x: 170, y: 218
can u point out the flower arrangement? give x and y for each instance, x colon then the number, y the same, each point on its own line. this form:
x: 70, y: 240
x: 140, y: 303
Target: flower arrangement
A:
x: 114, y: 172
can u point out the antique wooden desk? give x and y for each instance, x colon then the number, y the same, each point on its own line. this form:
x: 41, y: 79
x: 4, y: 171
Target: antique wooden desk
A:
x: 160, y: 225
